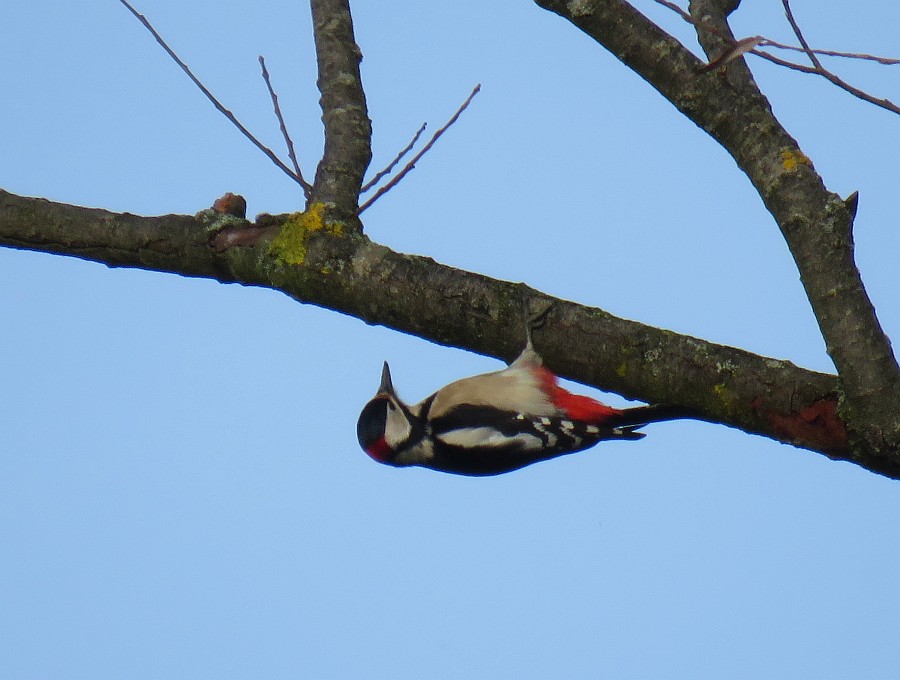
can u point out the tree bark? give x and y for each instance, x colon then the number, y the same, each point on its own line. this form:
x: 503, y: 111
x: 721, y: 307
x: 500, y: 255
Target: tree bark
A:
x: 351, y: 274
x: 348, y: 130
x: 816, y: 224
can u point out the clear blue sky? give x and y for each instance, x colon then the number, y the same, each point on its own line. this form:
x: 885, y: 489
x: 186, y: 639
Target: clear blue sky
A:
x: 181, y: 490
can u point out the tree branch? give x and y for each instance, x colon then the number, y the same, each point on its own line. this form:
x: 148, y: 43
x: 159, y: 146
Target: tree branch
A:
x: 715, y: 37
x: 395, y: 180
x: 816, y: 223
x: 352, y: 275
x: 348, y: 130
x: 819, y: 69
x: 386, y: 170
x: 718, y: 27
x: 288, y: 142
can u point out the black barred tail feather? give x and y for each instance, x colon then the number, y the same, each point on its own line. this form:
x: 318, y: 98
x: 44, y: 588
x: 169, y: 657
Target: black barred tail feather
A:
x: 644, y: 415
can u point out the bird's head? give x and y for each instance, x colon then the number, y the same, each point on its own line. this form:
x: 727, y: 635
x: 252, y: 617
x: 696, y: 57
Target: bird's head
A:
x: 386, y: 426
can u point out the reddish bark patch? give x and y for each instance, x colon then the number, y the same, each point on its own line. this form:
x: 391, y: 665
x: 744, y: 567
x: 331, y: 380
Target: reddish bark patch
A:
x: 231, y: 204
x: 230, y: 237
x: 816, y: 426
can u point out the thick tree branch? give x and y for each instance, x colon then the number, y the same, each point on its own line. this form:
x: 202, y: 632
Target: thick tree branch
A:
x: 720, y: 39
x: 815, y: 222
x: 348, y: 130
x: 350, y: 274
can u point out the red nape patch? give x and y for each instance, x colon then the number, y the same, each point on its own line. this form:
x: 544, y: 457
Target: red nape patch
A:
x: 379, y: 451
x: 577, y: 406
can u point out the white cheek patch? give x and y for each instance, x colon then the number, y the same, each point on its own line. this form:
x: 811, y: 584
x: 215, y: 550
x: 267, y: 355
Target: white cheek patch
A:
x: 487, y: 437
x: 397, y: 429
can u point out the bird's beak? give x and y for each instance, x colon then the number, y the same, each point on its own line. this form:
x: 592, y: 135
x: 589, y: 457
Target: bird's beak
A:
x: 386, y: 385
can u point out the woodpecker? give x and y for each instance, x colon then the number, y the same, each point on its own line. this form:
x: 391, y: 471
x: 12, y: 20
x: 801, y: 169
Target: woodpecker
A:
x: 495, y: 422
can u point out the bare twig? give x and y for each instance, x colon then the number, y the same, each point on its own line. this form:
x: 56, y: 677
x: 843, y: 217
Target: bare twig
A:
x: 209, y: 95
x: 803, y: 68
x: 797, y: 32
x: 405, y: 150
x: 284, y: 132
x: 886, y: 104
x: 828, y: 75
x: 736, y: 50
x: 886, y: 61
x: 675, y: 8
x: 412, y: 163
x: 817, y: 68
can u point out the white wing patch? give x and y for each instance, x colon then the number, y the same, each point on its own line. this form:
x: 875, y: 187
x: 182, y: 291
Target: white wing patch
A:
x: 478, y: 437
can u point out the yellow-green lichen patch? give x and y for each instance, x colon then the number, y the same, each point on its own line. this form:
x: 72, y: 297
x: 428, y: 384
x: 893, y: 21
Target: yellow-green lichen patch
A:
x: 791, y: 159
x: 725, y: 396
x: 290, y: 246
